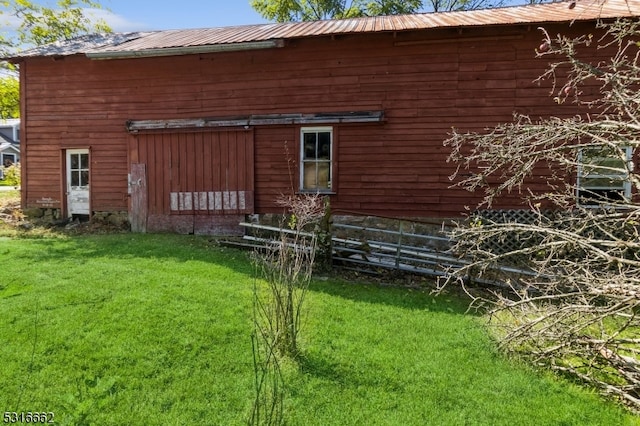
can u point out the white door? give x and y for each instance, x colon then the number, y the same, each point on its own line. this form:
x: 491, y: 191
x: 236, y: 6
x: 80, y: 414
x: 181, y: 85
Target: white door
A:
x: 78, y: 181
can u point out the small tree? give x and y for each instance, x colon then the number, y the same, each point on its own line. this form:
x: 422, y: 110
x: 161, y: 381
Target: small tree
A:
x: 286, y: 265
x: 578, y: 309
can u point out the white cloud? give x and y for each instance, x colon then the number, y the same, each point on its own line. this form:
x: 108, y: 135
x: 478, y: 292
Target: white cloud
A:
x: 116, y: 22
x: 9, y: 22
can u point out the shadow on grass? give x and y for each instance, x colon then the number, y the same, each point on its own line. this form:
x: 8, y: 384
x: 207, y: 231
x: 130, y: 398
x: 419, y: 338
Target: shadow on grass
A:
x: 406, y: 298
x: 321, y: 367
x: 178, y: 248
x: 184, y: 248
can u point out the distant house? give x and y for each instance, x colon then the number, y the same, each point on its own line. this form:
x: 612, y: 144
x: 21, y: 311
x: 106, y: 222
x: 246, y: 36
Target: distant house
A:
x: 9, y: 142
x: 190, y: 130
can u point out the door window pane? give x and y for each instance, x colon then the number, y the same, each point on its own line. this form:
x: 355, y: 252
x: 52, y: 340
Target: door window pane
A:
x: 79, y: 169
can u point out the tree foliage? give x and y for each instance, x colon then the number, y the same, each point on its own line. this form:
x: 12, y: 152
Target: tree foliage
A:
x: 576, y: 305
x: 312, y: 10
x: 456, y: 5
x: 36, y: 24
x: 9, y: 97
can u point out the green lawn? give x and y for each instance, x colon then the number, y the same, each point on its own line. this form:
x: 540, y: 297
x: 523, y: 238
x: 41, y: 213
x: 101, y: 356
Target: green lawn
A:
x: 12, y: 194
x: 155, y: 330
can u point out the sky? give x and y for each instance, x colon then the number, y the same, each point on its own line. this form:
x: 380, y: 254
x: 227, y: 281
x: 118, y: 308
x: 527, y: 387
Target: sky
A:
x: 144, y: 15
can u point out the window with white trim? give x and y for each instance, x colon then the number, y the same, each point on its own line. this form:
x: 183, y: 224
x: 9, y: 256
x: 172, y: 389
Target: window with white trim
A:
x: 603, y: 176
x: 8, y: 159
x: 316, y: 150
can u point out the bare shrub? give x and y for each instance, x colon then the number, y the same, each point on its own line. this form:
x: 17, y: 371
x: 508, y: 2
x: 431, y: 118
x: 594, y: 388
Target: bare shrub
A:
x: 286, y: 265
x: 577, y: 311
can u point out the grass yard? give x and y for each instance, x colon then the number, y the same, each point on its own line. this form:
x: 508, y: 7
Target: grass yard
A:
x: 9, y: 194
x: 155, y: 330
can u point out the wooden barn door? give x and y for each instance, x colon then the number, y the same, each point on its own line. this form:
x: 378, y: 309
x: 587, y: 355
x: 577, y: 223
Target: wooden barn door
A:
x: 196, y: 182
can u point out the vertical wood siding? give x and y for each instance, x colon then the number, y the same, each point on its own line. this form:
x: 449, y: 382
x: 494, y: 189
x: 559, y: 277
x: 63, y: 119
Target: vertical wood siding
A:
x: 196, y: 174
x: 439, y: 80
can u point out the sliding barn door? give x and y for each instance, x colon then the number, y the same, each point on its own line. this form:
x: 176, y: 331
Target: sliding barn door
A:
x: 196, y: 182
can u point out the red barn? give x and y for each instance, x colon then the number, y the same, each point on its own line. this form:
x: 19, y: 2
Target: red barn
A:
x: 190, y: 130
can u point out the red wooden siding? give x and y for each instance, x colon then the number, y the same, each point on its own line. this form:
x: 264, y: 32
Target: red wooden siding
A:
x: 426, y: 82
x: 192, y: 177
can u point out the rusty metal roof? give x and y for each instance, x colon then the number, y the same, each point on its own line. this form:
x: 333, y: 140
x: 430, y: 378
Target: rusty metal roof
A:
x: 250, y: 36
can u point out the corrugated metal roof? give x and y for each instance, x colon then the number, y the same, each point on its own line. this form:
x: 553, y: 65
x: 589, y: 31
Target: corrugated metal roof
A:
x: 172, y: 39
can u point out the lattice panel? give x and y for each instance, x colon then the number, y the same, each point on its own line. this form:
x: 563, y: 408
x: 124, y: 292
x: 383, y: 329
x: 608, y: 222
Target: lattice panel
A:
x: 511, y: 240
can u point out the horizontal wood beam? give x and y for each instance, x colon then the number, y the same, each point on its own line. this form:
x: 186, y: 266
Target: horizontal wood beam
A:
x: 134, y: 126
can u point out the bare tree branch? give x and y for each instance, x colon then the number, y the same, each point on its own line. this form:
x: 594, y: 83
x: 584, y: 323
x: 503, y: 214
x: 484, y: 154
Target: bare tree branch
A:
x: 575, y: 310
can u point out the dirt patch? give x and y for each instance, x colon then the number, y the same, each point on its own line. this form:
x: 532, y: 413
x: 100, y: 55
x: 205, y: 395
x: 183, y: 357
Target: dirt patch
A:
x: 12, y: 217
x: 10, y: 210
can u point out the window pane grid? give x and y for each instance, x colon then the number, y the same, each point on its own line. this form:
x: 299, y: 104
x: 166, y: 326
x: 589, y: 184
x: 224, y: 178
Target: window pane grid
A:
x: 79, y: 169
x: 316, y: 159
x: 602, y: 178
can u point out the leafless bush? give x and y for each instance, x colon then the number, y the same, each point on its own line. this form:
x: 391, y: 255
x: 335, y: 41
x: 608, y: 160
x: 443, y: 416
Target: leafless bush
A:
x: 577, y: 310
x: 286, y: 265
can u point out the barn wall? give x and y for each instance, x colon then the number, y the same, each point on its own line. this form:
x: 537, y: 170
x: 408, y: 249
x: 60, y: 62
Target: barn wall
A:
x: 425, y: 82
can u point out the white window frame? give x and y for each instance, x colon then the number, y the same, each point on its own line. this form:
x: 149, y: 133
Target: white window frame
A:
x: 625, y: 188
x: 306, y: 161
x: 8, y: 154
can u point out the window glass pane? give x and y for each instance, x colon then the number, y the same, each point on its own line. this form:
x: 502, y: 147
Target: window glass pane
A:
x: 75, y: 178
x: 602, y: 162
x: 309, y: 176
x: 603, y: 182
x: 84, y: 178
x: 602, y: 176
x: 592, y: 197
x: 316, y: 175
x: 8, y: 160
x: 324, y: 145
x: 310, y: 146
x: 84, y: 161
x: 75, y: 161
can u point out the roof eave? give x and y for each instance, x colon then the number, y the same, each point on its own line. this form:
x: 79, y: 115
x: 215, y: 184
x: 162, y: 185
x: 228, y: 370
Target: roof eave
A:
x: 185, y: 50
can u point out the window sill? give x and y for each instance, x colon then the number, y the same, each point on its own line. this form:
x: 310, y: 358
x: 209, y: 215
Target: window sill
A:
x: 605, y: 206
x: 312, y: 191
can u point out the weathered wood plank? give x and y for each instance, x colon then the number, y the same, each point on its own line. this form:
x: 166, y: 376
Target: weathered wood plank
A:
x: 139, y: 207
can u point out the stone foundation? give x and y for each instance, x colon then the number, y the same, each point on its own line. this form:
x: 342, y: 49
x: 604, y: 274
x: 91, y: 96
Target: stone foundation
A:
x: 44, y: 214
x: 50, y: 215
x: 119, y: 219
